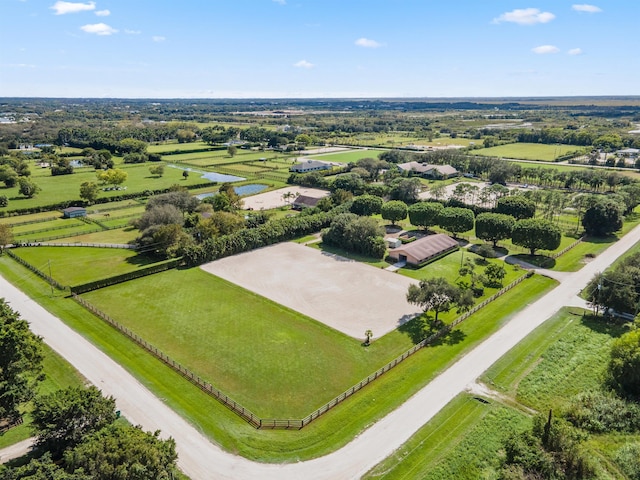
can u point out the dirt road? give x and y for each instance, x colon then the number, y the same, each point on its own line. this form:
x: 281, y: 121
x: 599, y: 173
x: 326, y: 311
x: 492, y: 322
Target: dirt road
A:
x: 200, y: 459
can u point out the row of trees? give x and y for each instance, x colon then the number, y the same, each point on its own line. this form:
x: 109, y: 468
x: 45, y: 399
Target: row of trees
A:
x: 77, y: 436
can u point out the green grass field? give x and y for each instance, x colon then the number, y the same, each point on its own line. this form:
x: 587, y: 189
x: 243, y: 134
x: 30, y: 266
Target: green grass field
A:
x: 76, y: 265
x: 348, y: 157
x: 564, y: 356
x: 462, y: 441
x: 332, y: 431
x: 528, y: 151
x: 244, y: 343
x: 67, y: 187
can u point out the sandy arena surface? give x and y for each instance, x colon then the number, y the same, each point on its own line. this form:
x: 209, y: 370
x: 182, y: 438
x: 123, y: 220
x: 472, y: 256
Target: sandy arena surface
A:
x: 273, y: 199
x: 346, y: 295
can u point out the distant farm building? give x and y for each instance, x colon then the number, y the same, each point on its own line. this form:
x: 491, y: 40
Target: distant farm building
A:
x: 428, y: 171
x: 628, y: 152
x: 310, y: 166
x: 424, y: 250
x: 73, y: 212
x: 304, y: 201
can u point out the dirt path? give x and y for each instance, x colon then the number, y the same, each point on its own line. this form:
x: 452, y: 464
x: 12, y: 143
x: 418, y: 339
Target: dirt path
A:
x: 200, y: 459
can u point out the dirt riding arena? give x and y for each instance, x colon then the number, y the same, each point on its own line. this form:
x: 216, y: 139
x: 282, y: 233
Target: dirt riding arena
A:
x: 346, y: 295
x: 275, y: 199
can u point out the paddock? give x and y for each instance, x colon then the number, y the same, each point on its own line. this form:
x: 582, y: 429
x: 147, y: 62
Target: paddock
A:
x: 346, y: 295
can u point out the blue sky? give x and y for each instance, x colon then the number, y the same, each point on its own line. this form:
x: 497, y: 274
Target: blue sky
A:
x: 318, y: 48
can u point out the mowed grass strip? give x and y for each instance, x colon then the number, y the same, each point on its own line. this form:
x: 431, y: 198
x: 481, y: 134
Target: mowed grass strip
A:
x: 77, y: 265
x: 461, y: 441
x: 273, y: 360
x: 564, y: 356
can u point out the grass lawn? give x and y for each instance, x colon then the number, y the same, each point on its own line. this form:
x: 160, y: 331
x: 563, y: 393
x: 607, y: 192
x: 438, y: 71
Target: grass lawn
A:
x: 118, y: 235
x: 67, y: 187
x: 528, y: 151
x: 331, y: 431
x: 59, y: 374
x: 348, y: 157
x: 177, y: 147
x: 462, y: 441
x: 564, y: 356
x: 215, y: 327
x: 77, y: 265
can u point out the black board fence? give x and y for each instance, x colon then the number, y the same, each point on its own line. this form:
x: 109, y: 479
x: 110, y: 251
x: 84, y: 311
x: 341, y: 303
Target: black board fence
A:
x: 288, y: 424
x: 124, y: 277
x: 37, y: 271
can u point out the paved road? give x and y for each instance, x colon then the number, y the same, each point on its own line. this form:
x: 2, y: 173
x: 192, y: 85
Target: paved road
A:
x: 16, y: 450
x: 200, y: 459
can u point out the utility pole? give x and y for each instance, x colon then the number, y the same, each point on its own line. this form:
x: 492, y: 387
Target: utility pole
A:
x: 50, y: 277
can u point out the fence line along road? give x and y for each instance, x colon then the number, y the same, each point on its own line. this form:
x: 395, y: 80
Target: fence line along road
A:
x: 287, y: 423
x: 200, y: 459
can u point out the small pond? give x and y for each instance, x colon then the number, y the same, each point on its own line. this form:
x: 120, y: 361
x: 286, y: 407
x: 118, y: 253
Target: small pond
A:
x: 211, y: 176
x: 242, y: 190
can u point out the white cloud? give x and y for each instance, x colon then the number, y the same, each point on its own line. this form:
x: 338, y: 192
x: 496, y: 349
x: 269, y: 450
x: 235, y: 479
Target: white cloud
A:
x: 303, y: 64
x: 62, y: 8
x: 158, y: 38
x: 584, y: 7
x: 367, y: 43
x: 103, y: 13
x: 280, y: 2
x: 525, y: 16
x: 575, y: 51
x: 545, y: 49
x: 132, y: 32
x: 98, y: 29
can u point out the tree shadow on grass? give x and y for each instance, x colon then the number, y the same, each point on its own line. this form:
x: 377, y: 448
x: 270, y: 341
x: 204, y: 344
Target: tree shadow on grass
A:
x: 414, y: 328
x: 540, y: 261
x: 614, y: 327
x: 142, y: 260
x: 418, y: 329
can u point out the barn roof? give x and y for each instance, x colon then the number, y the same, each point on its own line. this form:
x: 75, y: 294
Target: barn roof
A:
x: 427, y: 247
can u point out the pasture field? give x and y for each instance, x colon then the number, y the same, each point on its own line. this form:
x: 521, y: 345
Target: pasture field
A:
x: 218, y: 157
x: 333, y: 430
x: 564, y: 356
x: 38, y: 235
x: 58, y: 374
x: 347, y: 157
x: 76, y: 265
x: 177, y: 147
x: 56, y: 189
x: 528, y: 151
x: 32, y: 218
x: 117, y: 235
x: 243, y: 343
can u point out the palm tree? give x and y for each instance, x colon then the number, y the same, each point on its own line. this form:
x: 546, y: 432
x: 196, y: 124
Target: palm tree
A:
x: 368, y: 334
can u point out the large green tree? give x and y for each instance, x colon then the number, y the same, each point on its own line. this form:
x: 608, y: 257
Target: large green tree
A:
x: 493, y: 227
x: 425, y: 214
x: 366, y: 205
x: 20, y: 362
x: 356, y: 234
x: 124, y: 452
x: 434, y: 295
x: 603, y: 218
x: 456, y: 220
x: 27, y: 187
x: 518, y: 206
x: 624, y: 363
x: 6, y: 236
x: 61, y: 419
x: 394, y: 211
x: 89, y: 192
x: 535, y: 234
